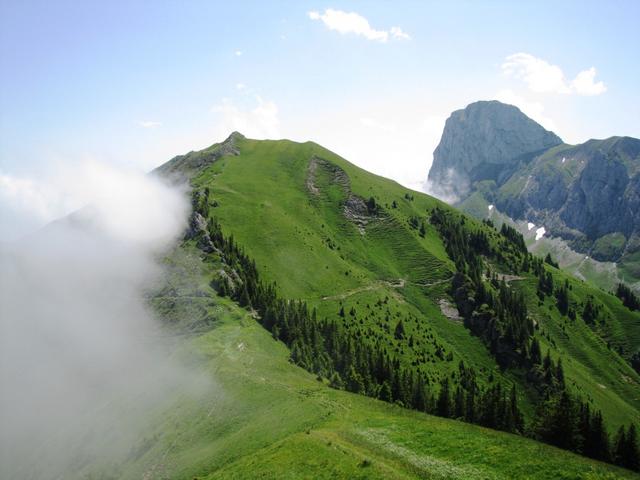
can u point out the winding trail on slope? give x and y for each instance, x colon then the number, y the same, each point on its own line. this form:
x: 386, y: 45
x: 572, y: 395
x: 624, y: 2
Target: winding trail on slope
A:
x: 399, y: 283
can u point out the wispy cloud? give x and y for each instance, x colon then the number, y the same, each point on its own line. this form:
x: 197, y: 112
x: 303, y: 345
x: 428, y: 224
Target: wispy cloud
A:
x: 255, y: 117
x: 544, y: 77
x: 352, y: 22
x: 397, y: 32
x: 238, y: 53
x: 149, y: 124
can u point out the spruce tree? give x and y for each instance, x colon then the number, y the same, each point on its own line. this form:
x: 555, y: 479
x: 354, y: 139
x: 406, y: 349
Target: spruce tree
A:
x: 385, y: 392
x: 631, y: 460
x: 458, y: 404
x: 619, y: 447
x: 399, y: 331
x: 443, y: 405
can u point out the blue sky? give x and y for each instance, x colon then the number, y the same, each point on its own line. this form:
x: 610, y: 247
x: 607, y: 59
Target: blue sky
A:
x: 131, y: 84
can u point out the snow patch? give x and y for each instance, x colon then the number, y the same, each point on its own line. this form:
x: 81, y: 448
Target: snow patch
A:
x: 530, y: 225
x: 540, y: 233
x: 490, y: 207
x: 564, y: 159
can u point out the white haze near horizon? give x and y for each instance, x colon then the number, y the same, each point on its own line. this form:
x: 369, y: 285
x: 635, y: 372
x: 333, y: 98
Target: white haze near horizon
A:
x: 81, y: 363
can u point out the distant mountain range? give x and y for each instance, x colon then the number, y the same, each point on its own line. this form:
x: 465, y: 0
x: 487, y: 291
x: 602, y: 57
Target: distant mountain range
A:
x: 587, y: 194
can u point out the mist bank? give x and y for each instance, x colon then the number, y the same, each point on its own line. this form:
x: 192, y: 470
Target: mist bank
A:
x: 84, y: 362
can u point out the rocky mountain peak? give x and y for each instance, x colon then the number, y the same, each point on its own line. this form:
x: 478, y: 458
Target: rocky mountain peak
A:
x: 184, y: 167
x: 487, y: 140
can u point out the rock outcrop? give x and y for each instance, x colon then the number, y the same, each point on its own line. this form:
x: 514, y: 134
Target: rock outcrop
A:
x: 485, y: 141
x: 183, y: 167
x: 581, y: 193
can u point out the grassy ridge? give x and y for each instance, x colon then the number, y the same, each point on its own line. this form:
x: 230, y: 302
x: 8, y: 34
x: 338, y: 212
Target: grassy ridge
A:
x: 290, y: 215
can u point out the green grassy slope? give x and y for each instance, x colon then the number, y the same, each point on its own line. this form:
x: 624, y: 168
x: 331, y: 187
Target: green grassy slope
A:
x: 303, y: 241
x: 622, y: 330
x: 284, y: 202
x: 266, y: 418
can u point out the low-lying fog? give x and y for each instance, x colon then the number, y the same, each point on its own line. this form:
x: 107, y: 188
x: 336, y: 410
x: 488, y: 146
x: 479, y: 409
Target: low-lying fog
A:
x: 80, y: 359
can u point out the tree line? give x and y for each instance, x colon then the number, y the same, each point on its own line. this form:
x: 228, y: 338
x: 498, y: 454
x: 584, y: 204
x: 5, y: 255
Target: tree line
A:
x: 629, y: 299
x: 498, y: 314
x: 326, y: 348
x: 491, y: 309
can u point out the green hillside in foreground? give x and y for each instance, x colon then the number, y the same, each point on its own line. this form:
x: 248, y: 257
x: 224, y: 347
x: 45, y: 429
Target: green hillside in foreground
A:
x: 376, y: 263
x: 286, y: 204
x: 264, y: 417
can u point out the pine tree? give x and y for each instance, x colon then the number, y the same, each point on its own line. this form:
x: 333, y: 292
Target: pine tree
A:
x: 385, y: 392
x: 562, y: 296
x: 371, y: 205
x: 458, y: 404
x: 518, y: 419
x: 557, y: 422
x: 534, y: 352
x: 631, y: 460
x: 599, y: 438
x: 550, y: 261
x: 399, y: 331
x: 335, y: 381
x: 443, y: 405
x: 354, y: 381
x: 629, y: 299
x: 560, y: 373
x: 619, y: 447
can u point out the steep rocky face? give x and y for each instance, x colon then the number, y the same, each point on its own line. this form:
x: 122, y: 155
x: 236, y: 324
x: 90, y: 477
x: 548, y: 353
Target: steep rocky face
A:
x: 485, y: 141
x: 581, y: 193
x: 595, y: 204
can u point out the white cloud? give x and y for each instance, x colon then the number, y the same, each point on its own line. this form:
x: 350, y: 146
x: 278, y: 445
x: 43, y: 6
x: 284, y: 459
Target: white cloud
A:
x: 238, y: 53
x: 240, y: 86
x: 149, y: 124
x: 397, y: 32
x: 532, y: 109
x: 351, y: 22
x: 257, y: 118
x: 114, y: 195
x: 544, y: 77
x: 584, y: 83
x: 539, y: 75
